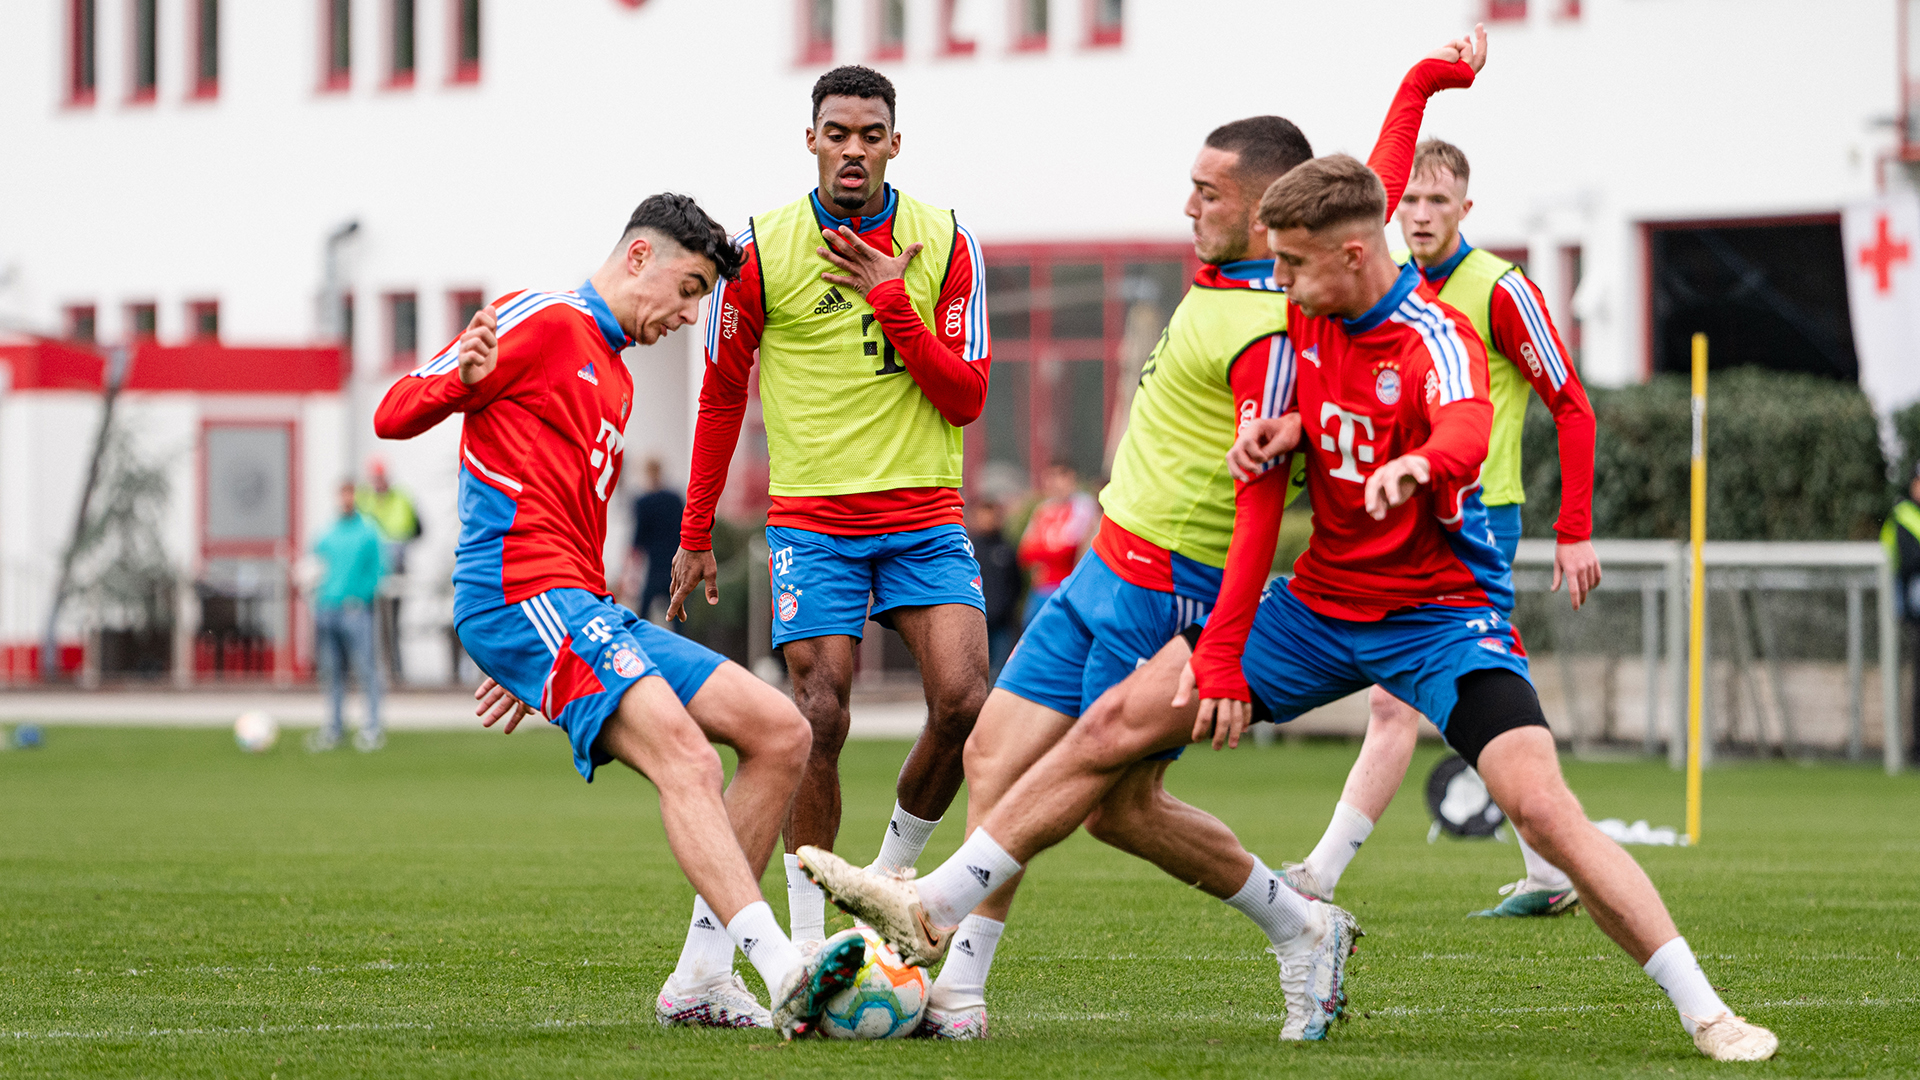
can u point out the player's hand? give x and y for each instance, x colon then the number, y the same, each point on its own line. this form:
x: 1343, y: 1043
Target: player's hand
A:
x: 1224, y: 719
x: 1472, y: 49
x: 865, y: 266
x: 691, y: 568
x: 1394, y: 483
x: 1261, y: 440
x: 1578, y: 564
x: 496, y: 702
x: 479, y: 346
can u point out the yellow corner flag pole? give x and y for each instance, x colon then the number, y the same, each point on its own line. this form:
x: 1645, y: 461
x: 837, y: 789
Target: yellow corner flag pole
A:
x: 1696, y: 661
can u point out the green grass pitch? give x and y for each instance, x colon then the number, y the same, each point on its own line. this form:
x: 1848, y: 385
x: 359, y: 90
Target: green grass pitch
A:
x: 461, y: 905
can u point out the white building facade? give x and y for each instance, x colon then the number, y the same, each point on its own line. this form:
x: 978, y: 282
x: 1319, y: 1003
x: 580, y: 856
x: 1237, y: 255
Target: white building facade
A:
x: 178, y: 167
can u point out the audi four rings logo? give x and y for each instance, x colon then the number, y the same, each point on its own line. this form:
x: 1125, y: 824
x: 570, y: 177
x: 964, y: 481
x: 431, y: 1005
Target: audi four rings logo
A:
x: 956, y: 311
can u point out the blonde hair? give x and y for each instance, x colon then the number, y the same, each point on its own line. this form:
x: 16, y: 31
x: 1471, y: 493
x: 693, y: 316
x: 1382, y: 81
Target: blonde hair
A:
x: 1433, y: 155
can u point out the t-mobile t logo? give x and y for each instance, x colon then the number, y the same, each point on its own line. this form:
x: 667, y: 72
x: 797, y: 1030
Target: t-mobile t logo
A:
x: 1345, y: 445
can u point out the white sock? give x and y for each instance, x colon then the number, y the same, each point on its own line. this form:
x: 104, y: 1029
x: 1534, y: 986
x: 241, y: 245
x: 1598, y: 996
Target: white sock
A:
x: 963, y: 981
x: 1539, y: 870
x: 1678, y: 973
x: 1338, y: 845
x: 958, y: 885
x: 806, y: 904
x: 906, y: 838
x: 758, y: 934
x: 708, y: 953
x: 1279, y: 911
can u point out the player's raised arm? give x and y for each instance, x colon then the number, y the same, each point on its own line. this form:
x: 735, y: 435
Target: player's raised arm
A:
x: 456, y: 380
x: 1452, y: 66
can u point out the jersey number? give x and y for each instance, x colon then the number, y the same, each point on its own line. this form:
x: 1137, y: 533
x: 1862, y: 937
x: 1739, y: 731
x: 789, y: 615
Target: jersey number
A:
x: 890, y: 364
x: 610, y: 457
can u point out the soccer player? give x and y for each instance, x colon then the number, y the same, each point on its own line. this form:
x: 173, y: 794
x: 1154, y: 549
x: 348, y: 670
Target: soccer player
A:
x: 546, y: 396
x: 1159, y: 552
x: 1400, y: 585
x: 1523, y: 348
x: 868, y: 311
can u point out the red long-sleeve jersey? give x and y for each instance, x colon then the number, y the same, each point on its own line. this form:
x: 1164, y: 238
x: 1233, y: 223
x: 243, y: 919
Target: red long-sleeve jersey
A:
x: 540, y: 449
x: 1525, y: 334
x: 949, y: 363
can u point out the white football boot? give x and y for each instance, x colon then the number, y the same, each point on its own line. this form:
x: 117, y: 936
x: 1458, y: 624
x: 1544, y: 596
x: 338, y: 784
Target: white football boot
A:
x: 1313, y: 972
x: 957, y: 1024
x: 724, y: 1002
x: 889, y: 903
x: 1301, y: 879
x: 1730, y: 1038
x: 826, y: 971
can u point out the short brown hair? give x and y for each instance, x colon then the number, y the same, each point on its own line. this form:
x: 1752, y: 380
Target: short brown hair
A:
x: 1433, y: 154
x: 1322, y: 193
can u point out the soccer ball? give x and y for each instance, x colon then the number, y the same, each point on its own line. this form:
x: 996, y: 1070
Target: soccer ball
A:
x: 256, y: 732
x: 886, y: 999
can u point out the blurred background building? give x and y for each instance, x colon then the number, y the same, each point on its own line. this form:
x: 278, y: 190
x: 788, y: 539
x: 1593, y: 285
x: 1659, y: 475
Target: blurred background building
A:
x: 278, y: 208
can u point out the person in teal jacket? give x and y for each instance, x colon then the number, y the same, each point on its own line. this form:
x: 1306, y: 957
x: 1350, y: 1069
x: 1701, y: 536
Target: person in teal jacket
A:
x: 343, y: 620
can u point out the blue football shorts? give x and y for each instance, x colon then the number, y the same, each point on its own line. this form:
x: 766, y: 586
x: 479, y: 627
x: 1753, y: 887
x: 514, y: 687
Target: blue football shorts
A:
x: 1297, y: 659
x: 1094, y: 630
x: 824, y: 584
x: 572, y: 655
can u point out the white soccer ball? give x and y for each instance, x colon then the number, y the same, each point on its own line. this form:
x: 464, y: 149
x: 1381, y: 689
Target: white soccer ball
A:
x: 256, y: 732
x: 886, y: 999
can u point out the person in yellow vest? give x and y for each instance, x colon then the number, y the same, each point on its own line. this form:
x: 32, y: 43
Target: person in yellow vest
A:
x: 1901, y: 535
x: 1523, y: 350
x: 867, y: 309
x: 393, y: 514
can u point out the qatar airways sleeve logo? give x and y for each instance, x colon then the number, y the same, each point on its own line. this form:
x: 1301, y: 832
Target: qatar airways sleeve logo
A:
x: 1347, y: 445
x: 729, y: 321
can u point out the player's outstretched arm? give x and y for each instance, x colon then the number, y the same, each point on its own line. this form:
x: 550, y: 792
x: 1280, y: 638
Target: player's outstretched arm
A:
x: 1452, y: 66
x: 419, y: 401
x: 692, y: 569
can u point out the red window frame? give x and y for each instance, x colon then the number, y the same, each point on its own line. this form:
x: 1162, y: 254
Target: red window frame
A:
x: 77, y: 317
x: 1021, y: 39
x: 138, y: 94
x: 1505, y: 11
x: 83, y: 51
x: 950, y: 45
x: 466, y: 15
x: 400, y: 358
x: 461, y: 304
x: 1101, y: 35
x: 336, y: 45
x: 198, y: 312
x: 206, y: 49
x: 152, y: 312
x: 398, y: 78
x: 1569, y: 10
x: 882, y: 48
x: 813, y: 48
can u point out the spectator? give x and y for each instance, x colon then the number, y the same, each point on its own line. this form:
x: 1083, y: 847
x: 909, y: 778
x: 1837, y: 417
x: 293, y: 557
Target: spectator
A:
x: 1059, y: 532
x: 1000, y: 581
x: 656, y: 535
x: 398, y: 521
x: 343, y: 621
x: 1901, y: 535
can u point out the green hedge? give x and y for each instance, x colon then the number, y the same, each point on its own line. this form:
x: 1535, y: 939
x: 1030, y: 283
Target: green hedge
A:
x: 1789, y: 457
x: 1906, y: 424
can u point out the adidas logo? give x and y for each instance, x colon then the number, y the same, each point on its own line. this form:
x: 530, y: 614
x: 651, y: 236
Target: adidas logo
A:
x: 1273, y: 889
x: 705, y: 924
x: 965, y: 946
x: 832, y: 302
x: 893, y: 827
x: 589, y: 374
x: 1355, y: 843
x: 747, y: 944
x: 980, y: 875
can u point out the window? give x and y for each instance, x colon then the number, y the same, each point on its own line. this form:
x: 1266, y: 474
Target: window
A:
x: 461, y: 304
x: 466, y: 41
x: 816, y: 31
x: 1506, y: 10
x: 403, y: 329
x: 82, y: 324
x: 337, y: 32
x: 146, y: 59
x: 82, y: 76
x: 400, y: 43
x: 206, y: 48
x: 203, y: 320
x: 1029, y: 25
x: 950, y: 43
x: 1103, y: 22
x: 1569, y: 9
x: 142, y: 321
x: 890, y: 29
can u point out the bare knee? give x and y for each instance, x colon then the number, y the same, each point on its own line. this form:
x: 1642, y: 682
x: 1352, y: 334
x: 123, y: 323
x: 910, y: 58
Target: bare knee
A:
x: 1389, y: 714
x: 953, y: 709
x: 1544, y: 817
x: 1106, y: 736
x: 784, y: 736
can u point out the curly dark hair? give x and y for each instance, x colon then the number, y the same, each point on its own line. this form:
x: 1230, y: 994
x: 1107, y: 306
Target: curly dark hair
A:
x: 679, y: 218
x: 852, y: 80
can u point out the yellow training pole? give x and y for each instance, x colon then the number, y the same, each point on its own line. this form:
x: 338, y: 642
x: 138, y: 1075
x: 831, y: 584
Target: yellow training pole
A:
x: 1696, y: 636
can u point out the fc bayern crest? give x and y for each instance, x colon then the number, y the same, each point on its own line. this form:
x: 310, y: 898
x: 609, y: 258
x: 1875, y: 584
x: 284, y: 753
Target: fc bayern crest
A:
x: 788, y: 605
x: 1386, y: 386
x: 626, y: 663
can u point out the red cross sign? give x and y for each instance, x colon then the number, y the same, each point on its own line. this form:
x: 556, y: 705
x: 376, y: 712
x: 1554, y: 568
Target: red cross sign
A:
x: 1882, y: 254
